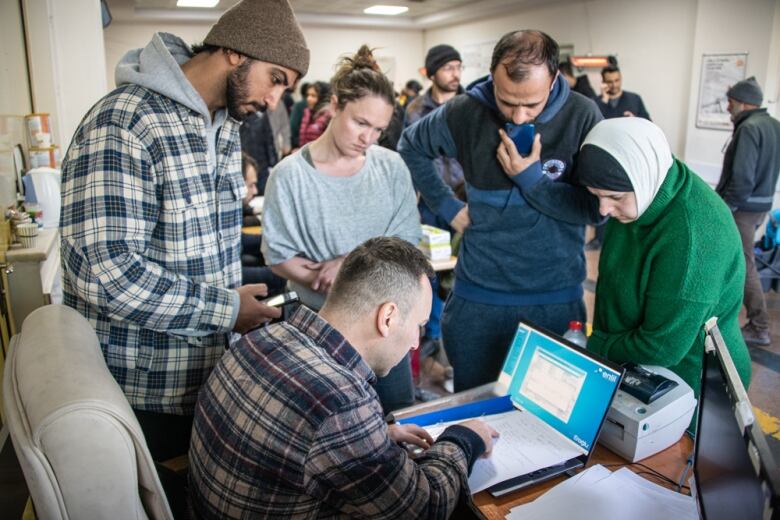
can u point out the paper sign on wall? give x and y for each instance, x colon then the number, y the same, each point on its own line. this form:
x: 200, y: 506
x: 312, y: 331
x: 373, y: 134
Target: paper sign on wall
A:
x: 718, y: 73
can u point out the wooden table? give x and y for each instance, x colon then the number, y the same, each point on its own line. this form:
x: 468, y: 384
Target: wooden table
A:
x: 670, y: 462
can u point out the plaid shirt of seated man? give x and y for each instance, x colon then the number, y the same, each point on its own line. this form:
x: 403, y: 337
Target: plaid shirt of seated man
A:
x: 289, y: 425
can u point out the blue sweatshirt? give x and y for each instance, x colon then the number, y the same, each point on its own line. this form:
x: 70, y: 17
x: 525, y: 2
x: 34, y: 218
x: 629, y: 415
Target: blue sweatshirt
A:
x: 525, y: 242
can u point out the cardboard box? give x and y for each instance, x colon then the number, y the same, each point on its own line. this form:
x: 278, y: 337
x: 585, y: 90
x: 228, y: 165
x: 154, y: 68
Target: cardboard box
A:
x: 435, y: 243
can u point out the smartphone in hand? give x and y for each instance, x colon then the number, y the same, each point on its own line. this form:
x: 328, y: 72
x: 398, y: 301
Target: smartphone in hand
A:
x: 522, y: 136
x: 281, y: 299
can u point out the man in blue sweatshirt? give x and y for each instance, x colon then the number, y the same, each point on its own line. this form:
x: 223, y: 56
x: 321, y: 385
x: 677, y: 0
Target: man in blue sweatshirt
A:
x: 522, y: 250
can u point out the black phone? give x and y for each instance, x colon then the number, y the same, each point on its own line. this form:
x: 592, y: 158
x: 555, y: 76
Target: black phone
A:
x: 281, y: 299
x: 522, y: 136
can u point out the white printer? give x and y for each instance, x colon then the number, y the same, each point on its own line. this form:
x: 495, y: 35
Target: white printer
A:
x: 637, y: 429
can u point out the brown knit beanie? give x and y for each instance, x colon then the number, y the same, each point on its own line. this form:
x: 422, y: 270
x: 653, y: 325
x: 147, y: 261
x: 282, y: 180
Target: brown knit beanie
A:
x: 265, y: 30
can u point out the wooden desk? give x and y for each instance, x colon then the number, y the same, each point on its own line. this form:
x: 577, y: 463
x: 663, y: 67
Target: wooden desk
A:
x: 670, y: 462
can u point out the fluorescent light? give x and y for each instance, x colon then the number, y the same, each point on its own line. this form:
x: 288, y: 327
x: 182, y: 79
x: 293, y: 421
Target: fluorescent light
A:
x: 196, y: 3
x: 388, y: 10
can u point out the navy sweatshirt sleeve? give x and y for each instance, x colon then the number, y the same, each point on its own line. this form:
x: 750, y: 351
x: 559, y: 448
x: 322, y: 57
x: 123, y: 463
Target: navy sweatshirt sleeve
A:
x: 562, y: 200
x: 422, y: 142
x: 559, y: 200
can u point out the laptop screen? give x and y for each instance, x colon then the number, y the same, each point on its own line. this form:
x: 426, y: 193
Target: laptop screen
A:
x: 563, y: 385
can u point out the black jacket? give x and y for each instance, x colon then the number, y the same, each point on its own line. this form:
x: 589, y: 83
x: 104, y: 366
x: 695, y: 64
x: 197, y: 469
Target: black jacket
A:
x: 752, y: 162
x: 628, y: 101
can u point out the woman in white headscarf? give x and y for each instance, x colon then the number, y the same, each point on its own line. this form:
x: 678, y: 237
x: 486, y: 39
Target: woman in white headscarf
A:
x: 672, y: 256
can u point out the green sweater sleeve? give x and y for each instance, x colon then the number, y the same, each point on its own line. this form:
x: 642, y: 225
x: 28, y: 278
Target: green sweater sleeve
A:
x: 669, y: 329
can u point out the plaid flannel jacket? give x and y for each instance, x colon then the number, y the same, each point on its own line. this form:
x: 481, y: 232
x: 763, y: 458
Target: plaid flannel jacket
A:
x: 151, y: 242
x: 288, y: 426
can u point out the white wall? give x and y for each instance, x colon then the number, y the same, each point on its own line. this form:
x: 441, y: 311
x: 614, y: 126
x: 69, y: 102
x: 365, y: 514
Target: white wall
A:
x: 14, y: 87
x: 14, y: 96
x: 65, y: 46
x: 727, y: 26
x: 653, y: 40
x: 401, y: 51
x: 404, y: 48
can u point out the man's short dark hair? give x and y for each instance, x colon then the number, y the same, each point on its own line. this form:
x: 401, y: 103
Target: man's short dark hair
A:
x: 378, y: 271
x: 197, y: 48
x: 609, y: 69
x: 518, y: 51
x: 415, y: 85
x: 566, y: 68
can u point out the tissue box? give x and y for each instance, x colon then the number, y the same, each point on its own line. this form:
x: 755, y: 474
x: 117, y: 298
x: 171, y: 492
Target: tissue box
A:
x: 435, y: 243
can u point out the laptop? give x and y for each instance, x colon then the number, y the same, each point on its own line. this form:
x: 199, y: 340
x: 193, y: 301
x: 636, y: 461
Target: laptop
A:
x: 554, y: 398
x: 736, y: 474
x: 565, y: 390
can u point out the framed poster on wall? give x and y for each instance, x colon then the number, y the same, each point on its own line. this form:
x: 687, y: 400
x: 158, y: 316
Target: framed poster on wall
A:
x: 718, y: 73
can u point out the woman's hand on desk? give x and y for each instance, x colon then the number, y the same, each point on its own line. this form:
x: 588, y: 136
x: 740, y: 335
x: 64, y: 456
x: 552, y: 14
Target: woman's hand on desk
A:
x: 485, y: 431
x: 409, y: 434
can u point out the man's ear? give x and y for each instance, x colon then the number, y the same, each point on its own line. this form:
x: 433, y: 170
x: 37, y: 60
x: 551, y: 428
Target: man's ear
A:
x: 385, y: 318
x: 334, y: 102
x: 233, y: 58
x: 423, y: 71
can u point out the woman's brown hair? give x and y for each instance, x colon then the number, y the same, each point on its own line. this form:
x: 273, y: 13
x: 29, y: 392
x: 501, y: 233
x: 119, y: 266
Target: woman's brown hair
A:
x: 358, y: 77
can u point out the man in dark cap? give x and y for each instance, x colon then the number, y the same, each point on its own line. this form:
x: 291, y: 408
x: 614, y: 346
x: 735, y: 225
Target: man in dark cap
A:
x: 443, y: 66
x: 151, y: 212
x: 747, y: 184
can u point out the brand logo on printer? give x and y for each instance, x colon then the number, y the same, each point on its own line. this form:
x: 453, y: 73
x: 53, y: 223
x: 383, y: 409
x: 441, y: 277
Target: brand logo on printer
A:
x: 553, y: 168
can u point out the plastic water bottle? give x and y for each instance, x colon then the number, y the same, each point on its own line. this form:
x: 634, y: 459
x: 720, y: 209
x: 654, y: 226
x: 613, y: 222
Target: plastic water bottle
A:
x: 575, y: 334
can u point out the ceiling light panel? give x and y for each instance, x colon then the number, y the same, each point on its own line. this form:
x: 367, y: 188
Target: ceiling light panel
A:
x: 386, y: 10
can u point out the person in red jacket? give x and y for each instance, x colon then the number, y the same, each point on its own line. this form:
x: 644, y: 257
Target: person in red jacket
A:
x: 317, y: 114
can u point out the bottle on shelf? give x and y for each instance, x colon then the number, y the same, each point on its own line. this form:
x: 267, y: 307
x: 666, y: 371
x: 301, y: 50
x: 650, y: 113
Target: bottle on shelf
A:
x: 575, y: 334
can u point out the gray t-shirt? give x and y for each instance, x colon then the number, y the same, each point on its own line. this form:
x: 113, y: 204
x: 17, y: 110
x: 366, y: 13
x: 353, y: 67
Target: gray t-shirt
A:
x: 308, y: 213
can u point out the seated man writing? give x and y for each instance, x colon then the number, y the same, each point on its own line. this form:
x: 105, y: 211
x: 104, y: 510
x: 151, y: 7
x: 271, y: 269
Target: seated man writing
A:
x: 288, y: 423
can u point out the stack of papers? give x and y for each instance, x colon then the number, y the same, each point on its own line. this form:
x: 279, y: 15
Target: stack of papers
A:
x: 435, y: 243
x: 599, y: 493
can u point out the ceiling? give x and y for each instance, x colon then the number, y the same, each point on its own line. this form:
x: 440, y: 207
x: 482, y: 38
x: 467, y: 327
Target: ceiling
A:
x: 422, y: 14
x: 417, y: 8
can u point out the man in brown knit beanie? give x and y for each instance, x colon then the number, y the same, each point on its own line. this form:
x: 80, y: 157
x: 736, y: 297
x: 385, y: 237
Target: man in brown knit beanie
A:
x: 151, y: 217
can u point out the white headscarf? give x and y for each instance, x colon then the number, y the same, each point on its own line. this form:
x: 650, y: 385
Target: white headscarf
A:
x: 641, y: 149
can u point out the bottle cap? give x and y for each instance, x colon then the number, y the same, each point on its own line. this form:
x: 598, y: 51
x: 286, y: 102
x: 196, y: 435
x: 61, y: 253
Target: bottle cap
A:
x: 575, y: 325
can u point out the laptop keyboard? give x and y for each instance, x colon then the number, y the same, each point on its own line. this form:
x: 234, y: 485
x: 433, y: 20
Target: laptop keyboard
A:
x: 534, y: 477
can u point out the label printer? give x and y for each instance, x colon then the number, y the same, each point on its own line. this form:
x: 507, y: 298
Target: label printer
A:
x: 650, y: 412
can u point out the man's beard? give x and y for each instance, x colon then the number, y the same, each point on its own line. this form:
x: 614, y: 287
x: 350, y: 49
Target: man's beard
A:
x: 237, y: 92
x: 452, y: 86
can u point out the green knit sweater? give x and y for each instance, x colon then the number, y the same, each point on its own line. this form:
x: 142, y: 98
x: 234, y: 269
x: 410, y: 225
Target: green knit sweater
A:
x: 662, y: 276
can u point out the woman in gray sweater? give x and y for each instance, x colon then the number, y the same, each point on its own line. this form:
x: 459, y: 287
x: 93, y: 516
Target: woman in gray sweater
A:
x: 337, y: 192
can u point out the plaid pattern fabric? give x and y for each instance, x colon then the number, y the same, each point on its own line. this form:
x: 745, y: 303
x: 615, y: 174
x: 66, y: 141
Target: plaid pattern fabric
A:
x: 288, y: 426
x: 151, y: 242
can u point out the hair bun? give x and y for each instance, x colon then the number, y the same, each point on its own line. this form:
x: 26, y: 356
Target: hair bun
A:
x: 358, y: 76
x: 364, y: 59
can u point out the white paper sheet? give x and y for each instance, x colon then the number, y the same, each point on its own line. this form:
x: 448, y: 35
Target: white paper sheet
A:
x: 526, y: 444
x: 597, y: 493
